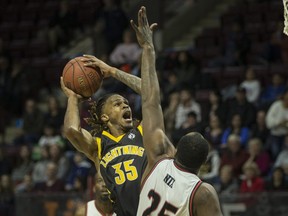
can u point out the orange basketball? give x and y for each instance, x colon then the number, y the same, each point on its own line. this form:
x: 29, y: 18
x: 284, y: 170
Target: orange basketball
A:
x: 84, y: 81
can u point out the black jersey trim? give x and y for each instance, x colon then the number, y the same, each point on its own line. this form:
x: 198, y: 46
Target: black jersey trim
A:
x: 150, y: 172
x: 192, y: 197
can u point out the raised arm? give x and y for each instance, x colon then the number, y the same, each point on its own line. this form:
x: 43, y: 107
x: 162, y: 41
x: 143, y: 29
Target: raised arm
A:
x: 80, y: 138
x: 131, y: 81
x: 155, y: 141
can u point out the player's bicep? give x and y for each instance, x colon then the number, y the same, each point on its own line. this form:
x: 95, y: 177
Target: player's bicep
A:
x: 206, y: 202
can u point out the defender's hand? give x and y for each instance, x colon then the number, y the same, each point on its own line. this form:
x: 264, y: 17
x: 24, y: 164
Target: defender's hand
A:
x: 144, y: 32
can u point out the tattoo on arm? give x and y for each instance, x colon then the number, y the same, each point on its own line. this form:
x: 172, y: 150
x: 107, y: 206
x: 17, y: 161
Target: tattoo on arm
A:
x: 131, y: 81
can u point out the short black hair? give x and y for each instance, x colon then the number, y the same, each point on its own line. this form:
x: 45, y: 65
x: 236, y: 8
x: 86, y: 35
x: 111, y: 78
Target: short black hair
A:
x: 192, y: 151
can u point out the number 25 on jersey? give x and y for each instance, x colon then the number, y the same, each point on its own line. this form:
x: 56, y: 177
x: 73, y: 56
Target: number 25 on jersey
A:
x: 125, y: 171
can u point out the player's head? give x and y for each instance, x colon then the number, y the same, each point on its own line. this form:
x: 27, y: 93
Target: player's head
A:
x: 111, y: 111
x: 100, y: 189
x: 192, y: 151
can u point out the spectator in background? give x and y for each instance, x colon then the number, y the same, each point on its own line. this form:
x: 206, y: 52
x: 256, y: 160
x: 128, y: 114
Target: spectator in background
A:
x: 111, y: 24
x: 273, y: 91
x: 240, y: 105
x: 187, y: 70
x: 277, y: 181
x: 5, y: 164
x: 39, y: 170
x: 33, y: 120
x: 209, y: 171
x: 126, y: 52
x: 277, y: 122
x: 237, y: 129
x: 24, y: 165
x: 252, y: 182
x: 26, y: 186
x: 233, y: 155
x: 62, y: 26
x: 52, y: 183
x: 213, y: 133
x: 226, y: 183
x: 260, y: 130
x: 6, y: 196
x: 259, y: 156
x: 252, y: 86
x: 61, y: 161
x: 49, y: 136
x: 186, y: 105
x: 80, y: 169
x: 216, y: 107
x: 55, y: 114
x: 282, y: 158
x: 189, y: 125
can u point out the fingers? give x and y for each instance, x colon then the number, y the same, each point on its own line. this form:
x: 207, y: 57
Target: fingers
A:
x: 153, y: 26
x: 134, y: 26
x: 62, y: 83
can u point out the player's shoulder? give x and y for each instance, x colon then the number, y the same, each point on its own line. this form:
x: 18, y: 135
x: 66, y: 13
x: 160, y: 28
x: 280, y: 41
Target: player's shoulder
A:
x: 205, y: 192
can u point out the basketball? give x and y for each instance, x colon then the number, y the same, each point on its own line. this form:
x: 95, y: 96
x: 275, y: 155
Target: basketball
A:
x: 84, y: 81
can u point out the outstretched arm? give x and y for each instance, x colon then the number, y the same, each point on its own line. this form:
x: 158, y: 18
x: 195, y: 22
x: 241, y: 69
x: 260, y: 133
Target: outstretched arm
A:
x: 155, y: 141
x: 131, y: 81
x: 80, y: 138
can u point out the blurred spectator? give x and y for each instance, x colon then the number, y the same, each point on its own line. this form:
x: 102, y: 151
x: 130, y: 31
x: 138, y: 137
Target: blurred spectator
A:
x: 216, y: 107
x: 209, y: 171
x: 52, y: 183
x: 189, y: 125
x: 186, y: 105
x: 55, y: 114
x: 273, y: 91
x: 6, y: 196
x: 213, y: 133
x: 277, y: 122
x: 170, y: 113
x: 26, y: 186
x: 252, y: 182
x: 62, y: 26
x: 277, y: 181
x: 39, y: 170
x: 126, y: 52
x: 79, y: 185
x: 57, y: 156
x: 49, y: 136
x: 187, y: 70
x: 112, y: 22
x: 234, y: 155
x: 259, y: 156
x: 252, y: 86
x: 33, y: 120
x: 80, y: 169
x: 282, y: 158
x: 226, y: 183
x: 5, y: 163
x: 24, y: 164
x: 236, y: 128
x: 260, y: 130
x: 240, y: 105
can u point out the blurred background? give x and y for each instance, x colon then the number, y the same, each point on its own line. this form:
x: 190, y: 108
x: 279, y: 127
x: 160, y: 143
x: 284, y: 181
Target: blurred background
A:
x: 222, y: 67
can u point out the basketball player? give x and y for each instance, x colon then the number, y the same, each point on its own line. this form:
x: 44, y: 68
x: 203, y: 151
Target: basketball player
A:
x: 115, y: 140
x: 102, y: 204
x: 169, y: 186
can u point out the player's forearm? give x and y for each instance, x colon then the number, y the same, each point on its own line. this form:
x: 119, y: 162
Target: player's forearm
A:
x: 71, y: 119
x: 131, y: 81
x: 150, y: 85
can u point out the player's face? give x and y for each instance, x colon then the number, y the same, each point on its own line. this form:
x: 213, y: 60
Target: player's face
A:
x: 101, y: 190
x: 119, y: 112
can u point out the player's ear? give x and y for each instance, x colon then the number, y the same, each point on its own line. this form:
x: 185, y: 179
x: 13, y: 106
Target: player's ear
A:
x: 104, y: 118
